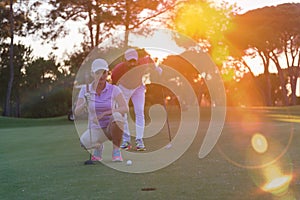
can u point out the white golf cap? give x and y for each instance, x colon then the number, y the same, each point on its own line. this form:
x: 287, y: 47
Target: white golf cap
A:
x: 99, y: 64
x: 131, y: 54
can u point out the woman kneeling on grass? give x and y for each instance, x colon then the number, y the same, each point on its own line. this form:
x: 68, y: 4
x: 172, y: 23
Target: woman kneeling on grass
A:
x: 106, y: 109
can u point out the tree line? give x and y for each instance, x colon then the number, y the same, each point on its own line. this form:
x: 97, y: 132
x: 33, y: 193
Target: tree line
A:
x: 38, y: 87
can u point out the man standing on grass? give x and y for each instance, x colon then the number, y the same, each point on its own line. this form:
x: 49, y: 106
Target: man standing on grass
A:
x: 128, y: 75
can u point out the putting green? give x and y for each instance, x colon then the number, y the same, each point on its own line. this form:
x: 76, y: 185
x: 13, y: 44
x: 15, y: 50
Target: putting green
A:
x: 42, y: 159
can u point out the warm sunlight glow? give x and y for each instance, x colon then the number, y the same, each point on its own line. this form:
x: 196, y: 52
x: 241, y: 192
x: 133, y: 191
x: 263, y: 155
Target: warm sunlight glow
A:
x: 278, y: 185
x: 259, y: 143
x: 206, y: 25
x: 200, y: 21
x: 187, y: 19
x: 285, y: 118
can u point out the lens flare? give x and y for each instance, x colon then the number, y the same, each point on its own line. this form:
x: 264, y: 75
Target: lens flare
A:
x: 259, y: 143
x: 274, y: 178
x: 278, y: 185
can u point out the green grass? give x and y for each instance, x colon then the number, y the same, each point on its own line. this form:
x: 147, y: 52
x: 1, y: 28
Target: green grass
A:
x: 42, y: 159
x: 8, y: 122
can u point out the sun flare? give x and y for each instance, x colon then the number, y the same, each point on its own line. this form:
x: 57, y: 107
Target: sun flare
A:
x: 278, y: 185
x: 259, y: 143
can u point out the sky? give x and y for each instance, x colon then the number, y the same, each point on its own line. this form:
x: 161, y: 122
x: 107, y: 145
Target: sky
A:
x: 245, y: 6
x: 66, y: 45
x: 253, y: 4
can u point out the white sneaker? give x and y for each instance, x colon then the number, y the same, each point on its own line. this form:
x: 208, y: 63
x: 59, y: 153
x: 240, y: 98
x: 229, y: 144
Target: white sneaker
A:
x: 140, y: 145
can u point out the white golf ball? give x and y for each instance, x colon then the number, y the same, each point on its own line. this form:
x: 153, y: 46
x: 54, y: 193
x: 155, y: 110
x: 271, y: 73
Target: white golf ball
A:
x: 129, y: 162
